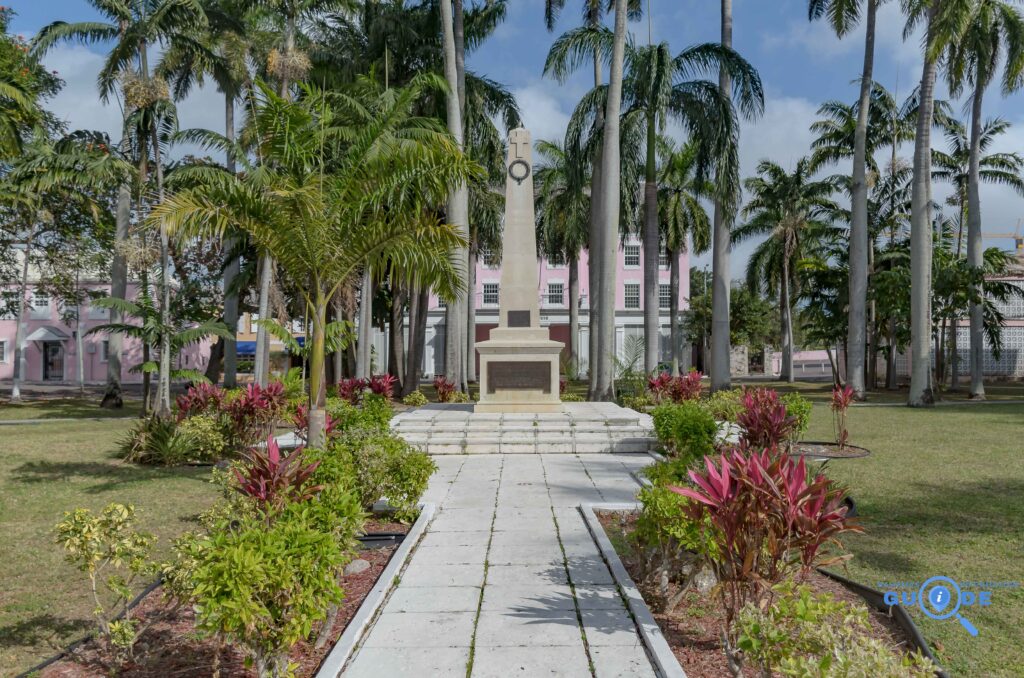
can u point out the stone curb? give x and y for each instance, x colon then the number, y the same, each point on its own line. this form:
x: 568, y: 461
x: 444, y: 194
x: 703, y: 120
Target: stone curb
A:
x: 335, y: 661
x: 657, y: 647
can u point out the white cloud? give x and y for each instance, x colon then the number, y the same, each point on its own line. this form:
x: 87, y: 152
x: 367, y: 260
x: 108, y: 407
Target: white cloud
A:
x: 545, y: 115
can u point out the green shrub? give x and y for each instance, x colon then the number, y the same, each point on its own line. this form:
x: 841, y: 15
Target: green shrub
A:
x: 113, y: 554
x: 686, y: 429
x: 205, y: 435
x: 806, y: 634
x: 415, y: 399
x: 338, y: 507
x: 725, y: 405
x: 374, y: 414
x: 385, y: 466
x: 568, y: 397
x: 156, y: 442
x: 640, y: 402
x: 263, y: 587
x: 460, y: 397
x: 672, y: 471
x: 799, y: 407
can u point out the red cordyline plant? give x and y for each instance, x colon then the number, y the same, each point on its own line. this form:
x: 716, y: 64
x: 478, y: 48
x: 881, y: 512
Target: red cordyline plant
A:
x: 383, y: 384
x: 664, y: 387
x: 842, y: 398
x: 351, y: 389
x: 764, y: 422
x: 272, y: 480
x: 445, y: 389
x: 562, y: 385
x: 770, y: 520
x: 255, y: 412
x: 201, y: 398
x: 301, y: 421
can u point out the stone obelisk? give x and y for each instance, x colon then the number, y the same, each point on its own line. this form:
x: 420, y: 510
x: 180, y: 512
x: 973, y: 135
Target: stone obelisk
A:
x: 519, y: 363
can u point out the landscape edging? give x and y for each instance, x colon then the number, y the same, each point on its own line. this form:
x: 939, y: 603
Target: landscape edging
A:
x: 339, y: 655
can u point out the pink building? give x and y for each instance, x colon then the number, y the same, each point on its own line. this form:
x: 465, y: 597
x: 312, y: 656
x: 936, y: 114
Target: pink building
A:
x: 553, y: 291
x: 50, y: 343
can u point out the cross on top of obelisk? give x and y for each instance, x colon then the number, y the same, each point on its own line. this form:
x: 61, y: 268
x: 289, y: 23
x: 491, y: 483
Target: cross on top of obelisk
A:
x: 519, y: 140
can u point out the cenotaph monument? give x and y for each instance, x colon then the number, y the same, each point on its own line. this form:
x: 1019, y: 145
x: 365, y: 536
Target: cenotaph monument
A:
x: 519, y: 363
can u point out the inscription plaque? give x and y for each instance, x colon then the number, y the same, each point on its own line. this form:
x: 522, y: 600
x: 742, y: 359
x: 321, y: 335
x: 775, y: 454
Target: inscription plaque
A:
x: 518, y: 318
x: 519, y: 376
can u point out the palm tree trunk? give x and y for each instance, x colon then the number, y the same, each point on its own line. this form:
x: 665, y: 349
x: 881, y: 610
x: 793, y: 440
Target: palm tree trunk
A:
x: 720, y: 348
x: 411, y: 368
x: 680, y: 363
x: 609, y: 199
x: 652, y: 243
x: 785, y: 313
x: 921, y: 393
x: 418, y: 336
x: 19, y: 330
x: 594, y: 248
x: 261, y: 363
x: 317, y: 380
x: 974, y: 248
x: 890, y: 358
x: 458, y: 208
x: 857, y: 330
x: 574, y: 310
x: 471, y: 316
x: 231, y: 264
x: 163, y: 398
x: 364, y: 342
x: 118, y: 290
x: 397, y: 334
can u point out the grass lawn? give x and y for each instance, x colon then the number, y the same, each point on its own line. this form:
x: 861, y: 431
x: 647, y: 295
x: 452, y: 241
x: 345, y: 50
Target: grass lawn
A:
x: 46, y: 469
x: 65, y: 408
x: 942, y: 494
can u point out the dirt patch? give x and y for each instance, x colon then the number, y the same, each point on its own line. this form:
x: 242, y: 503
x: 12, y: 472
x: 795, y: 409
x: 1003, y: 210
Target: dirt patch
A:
x: 171, y: 646
x: 694, y: 629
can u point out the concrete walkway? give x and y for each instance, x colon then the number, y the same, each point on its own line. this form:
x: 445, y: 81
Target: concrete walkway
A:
x: 507, y: 580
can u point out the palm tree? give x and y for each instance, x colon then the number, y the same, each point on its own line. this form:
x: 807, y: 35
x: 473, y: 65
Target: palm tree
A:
x: 683, y: 218
x: 954, y: 166
x: 844, y: 15
x: 795, y: 211
x: 563, y: 218
x: 133, y: 26
x: 995, y: 28
x: 345, y: 181
x: 942, y: 26
x: 17, y: 105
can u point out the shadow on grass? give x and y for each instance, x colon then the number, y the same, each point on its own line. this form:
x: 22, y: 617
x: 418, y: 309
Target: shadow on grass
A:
x: 109, y: 476
x: 42, y: 629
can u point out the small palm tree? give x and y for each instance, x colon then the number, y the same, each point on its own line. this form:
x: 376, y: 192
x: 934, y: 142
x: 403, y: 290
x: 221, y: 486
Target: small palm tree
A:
x: 345, y: 180
x: 795, y: 211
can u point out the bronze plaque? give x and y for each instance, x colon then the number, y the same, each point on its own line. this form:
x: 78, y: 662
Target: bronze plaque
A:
x: 519, y: 376
x: 518, y: 318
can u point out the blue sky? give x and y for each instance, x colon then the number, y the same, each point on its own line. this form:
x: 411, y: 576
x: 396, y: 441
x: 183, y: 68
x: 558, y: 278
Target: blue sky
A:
x: 801, y: 65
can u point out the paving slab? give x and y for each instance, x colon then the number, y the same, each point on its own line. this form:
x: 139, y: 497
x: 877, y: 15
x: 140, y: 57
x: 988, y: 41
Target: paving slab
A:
x: 434, y: 599
x: 529, y: 628
x: 621, y: 662
x: 410, y: 662
x: 422, y: 629
x: 501, y: 662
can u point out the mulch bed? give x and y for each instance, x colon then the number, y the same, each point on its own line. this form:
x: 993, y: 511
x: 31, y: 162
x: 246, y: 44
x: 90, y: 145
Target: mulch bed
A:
x: 695, y: 627
x: 816, y: 450
x: 172, y: 648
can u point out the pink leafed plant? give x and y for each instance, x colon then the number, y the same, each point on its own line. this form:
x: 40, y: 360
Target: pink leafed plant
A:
x: 351, y: 389
x: 763, y: 422
x: 272, y: 480
x: 445, y: 389
x: 770, y: 518
x: 842, y: 398
x: 301, y: 421
x: 383, y: 384
x: 664, y: 387
x: 255, y: 411
x: 201, y: 398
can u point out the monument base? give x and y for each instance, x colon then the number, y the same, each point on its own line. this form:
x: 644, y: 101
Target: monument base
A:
x: 519, y: 372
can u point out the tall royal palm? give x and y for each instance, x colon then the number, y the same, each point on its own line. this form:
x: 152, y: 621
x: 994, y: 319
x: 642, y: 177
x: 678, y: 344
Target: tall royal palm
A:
x: 133, y: 26
x: 342, y: 182
x: 795, y: 211
x: 843, y: 16
x: 995, y: 29
x: 563, y: 219
x: 685, y: 226
x: 665, y: 88
x: 943, y: 24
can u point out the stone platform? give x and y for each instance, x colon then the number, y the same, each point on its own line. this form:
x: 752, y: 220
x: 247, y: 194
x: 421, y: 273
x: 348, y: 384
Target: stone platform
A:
x: 580, y: 428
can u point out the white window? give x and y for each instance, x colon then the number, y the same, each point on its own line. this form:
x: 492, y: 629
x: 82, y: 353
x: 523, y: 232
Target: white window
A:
x: 104, y: 350
x: 551, y: 265
x: 98, y: 312
x: 556, y: 293
x: 664, y: 295
x: 489, y: 259
x: 40, y: 305
x: 663, y: 258
x: 441, y: 303
x: 631, y: 255
x: 632, y: 292
x: 491, y: 293
x: 3, y: 350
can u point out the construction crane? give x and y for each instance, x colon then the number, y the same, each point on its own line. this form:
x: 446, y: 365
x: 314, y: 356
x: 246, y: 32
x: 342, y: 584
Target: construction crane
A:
x: 1017, y: 237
